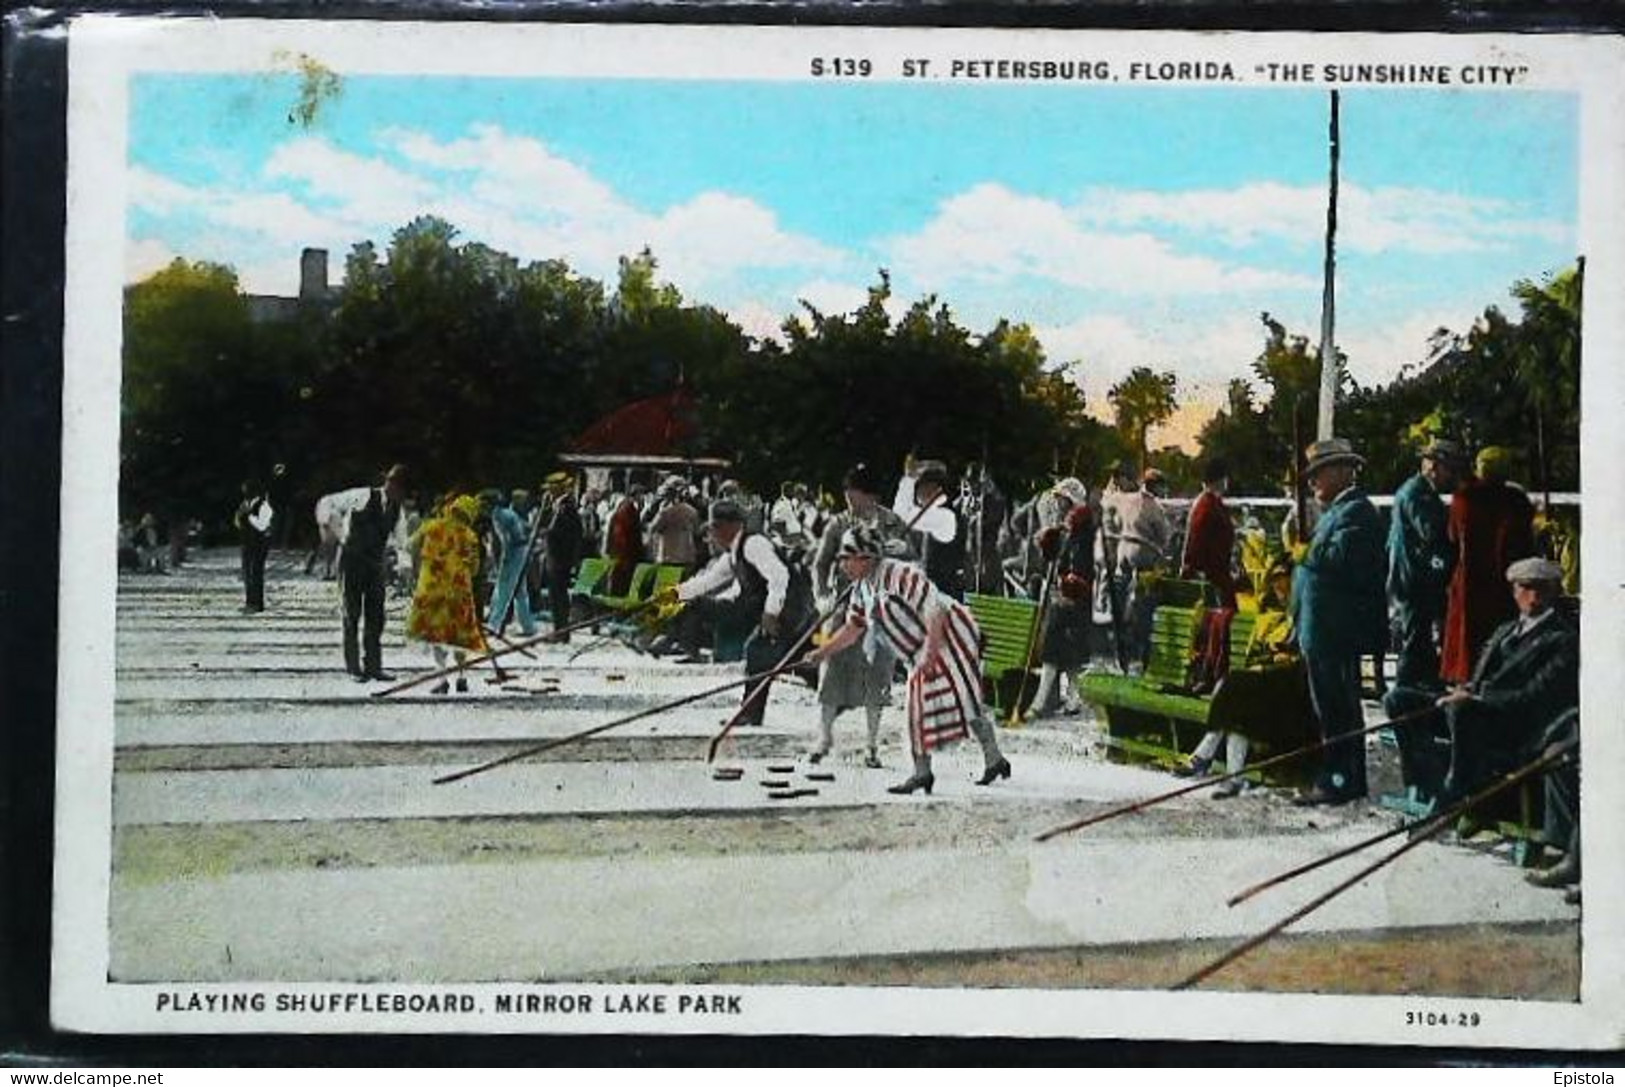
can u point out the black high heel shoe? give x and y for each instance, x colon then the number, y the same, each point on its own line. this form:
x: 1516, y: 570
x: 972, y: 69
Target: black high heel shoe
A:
x: 1000, y: 769
x: 917, y: 781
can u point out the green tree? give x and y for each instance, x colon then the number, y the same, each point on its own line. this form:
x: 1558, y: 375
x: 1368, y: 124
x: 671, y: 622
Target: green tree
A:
x: 1239, y: 434
x: 1546, y: 363
x: 193, y: 392
x: 1142, y: 400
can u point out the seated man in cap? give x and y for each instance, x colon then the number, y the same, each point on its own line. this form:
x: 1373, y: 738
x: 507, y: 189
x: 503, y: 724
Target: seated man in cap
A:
x: 765, y: 599
x: 1527, y: 675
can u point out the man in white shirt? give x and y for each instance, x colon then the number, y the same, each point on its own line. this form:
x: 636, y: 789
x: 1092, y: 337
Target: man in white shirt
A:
x: 746, y: 560
x: 939, y: 533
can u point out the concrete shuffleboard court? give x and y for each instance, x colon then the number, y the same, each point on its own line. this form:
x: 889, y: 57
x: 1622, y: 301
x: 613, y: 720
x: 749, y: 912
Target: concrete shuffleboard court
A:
x: 276, y: 822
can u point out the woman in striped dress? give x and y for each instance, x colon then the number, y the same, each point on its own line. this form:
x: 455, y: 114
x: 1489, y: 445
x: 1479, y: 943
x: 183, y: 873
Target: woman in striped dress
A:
x: 896, y: 607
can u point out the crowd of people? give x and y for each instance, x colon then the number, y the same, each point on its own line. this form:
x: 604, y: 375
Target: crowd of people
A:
x: 1467, y: 596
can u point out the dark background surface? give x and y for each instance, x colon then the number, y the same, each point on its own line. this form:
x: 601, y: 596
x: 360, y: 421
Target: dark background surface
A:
x: 31, y: 247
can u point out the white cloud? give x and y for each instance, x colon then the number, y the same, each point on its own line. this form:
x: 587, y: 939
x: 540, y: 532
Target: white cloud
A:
x: 1376, y: 355
x: 510, y: 192
x: 716, y: 233
x: 832, y: 296
x: 159, y: 194
x: 351, y: 181
x: 1370, y: 220
x: 990, y: 234
x: 276, y: 215
x: 758, y: 318
x: 1100, y: 350
x: 144, y: 256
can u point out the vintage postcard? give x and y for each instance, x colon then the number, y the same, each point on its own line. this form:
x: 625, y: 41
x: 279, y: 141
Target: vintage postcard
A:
x: 685, y: 529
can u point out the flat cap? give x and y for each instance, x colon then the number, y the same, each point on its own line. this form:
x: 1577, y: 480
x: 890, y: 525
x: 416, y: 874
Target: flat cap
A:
x: 1534, y: 569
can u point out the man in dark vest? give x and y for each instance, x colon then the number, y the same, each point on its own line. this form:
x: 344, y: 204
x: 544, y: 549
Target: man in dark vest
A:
x: 362, y: 566
x: 765, y: 599
x: 254, y: 520
x: 939, y: 531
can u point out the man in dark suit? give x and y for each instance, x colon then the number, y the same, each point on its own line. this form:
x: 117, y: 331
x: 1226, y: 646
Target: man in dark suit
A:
x: 563, y: 543
x: 1562, y: 804
x: 361, y: 565
x: 1527, y: 675
x: 1339, y: 612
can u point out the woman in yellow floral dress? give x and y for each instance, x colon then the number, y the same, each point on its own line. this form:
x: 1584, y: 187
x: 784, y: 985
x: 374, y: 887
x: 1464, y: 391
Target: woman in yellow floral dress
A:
x: 443, y: 612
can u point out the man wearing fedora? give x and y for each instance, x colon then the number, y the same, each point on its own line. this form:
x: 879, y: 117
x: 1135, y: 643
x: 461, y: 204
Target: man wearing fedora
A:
x: 561, y: 546
x: 1339, y: 612
x: 1421, y: 559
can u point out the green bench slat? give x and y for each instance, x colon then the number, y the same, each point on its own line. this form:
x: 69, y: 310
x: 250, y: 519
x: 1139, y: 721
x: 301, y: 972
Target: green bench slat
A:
x: 589, y: 575
x: 643, y: 575
x: 1008, y: 626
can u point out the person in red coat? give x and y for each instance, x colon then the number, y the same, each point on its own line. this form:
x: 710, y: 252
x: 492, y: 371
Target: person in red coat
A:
x: 1491, y: 527
x: 1210, y: 536
x: 624, y: 541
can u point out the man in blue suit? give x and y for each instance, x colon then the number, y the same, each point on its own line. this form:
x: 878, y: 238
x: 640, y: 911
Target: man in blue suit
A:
x: 1339, y: 612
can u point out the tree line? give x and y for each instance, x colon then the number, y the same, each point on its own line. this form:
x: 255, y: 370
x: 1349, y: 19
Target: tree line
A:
x: 477, y: 370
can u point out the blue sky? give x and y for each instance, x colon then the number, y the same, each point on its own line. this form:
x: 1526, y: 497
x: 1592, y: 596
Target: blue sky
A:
x: 1127, y: 225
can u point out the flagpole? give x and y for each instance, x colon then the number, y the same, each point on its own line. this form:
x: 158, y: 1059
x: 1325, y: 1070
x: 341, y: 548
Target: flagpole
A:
x: 1328, y: 300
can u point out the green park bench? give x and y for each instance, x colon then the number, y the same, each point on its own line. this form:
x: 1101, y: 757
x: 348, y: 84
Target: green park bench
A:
x: 637, y: 590
x: 1009, y: 625
x: 665, y: 577
x: 589, y: 575
x: 1156, y: 717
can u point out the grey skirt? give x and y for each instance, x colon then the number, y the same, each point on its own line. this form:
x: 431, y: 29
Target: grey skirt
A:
x: 849, y: 679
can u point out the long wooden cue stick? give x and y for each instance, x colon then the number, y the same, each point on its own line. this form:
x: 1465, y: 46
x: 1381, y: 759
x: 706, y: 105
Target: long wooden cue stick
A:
x: 801, y: 642
x: 1035, y: 643
x: 494, y: 653
x: 1274, y: 760
x: 784, y: 665
x: 507, y: 641
x: 1506, y: 781
x: 596, y: 729
x: 1427, y: 834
